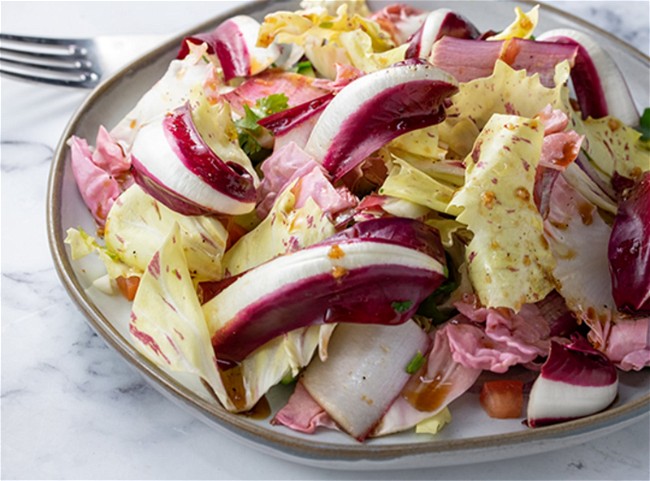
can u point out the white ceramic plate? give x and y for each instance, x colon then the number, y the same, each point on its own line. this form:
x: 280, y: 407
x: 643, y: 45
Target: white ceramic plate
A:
x: 471, y: 437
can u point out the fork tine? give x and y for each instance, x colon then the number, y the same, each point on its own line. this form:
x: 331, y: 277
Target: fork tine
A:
x: 67, y: 78
x: 70, y: 62
x: 67, y: 62
x: 47, y: 61
x: 48, y: 46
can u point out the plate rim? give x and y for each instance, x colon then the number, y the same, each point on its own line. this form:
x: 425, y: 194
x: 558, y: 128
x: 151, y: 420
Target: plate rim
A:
x: 235, y: 424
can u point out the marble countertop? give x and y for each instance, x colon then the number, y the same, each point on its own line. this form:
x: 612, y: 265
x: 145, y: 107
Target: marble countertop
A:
x: 71, y: 408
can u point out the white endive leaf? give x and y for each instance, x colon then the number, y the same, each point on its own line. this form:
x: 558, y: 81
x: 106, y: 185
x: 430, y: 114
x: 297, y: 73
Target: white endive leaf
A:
x: 167, y: 324
x: 137, y: 225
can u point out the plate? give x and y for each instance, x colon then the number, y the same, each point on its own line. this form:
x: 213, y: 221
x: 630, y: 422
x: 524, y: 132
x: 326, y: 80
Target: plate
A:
x: 471, y: 437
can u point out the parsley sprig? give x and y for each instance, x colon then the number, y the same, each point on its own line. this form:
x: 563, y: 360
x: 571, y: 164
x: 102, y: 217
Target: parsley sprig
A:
x: 248, y: 128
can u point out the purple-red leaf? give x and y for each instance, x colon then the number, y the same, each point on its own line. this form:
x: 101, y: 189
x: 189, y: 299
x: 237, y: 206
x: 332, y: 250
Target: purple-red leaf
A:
x: 471, y: 59
x: 576, y: 381
x: 288, y: 119
x: 598, y: 83
x: 234, y: 44
x: 439, y: 23
x: 629, y: 250
x: 173, y: 164
x: 377, y: 272
x: 376, y: 108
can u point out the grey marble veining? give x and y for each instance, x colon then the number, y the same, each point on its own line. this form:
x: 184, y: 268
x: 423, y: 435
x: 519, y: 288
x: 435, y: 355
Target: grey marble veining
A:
x: 71, y: 407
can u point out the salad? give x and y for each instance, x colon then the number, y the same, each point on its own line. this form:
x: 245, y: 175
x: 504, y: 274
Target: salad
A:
x: 377, y: 209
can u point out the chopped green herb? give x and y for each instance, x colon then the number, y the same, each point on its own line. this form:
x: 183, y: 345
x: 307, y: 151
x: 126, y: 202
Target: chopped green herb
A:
x: 401, y: 306
x: 249, y: 130
x: 644, y: 125
x: 305, y: 68
x: 205, y: 59
x: 272, y: 104
x: 416, y: 363
x: 249, y: 120
x: 249, y: 143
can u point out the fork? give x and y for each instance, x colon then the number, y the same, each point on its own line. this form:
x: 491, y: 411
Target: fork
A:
x: 69, y: 62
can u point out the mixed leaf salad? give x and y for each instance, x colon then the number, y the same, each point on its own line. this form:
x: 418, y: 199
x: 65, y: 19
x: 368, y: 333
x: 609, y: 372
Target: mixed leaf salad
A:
x: 376, y: 208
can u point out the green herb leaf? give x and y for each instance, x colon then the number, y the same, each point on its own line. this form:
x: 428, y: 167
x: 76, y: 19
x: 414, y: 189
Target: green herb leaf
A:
x: 249, y: 143
x: 401, y: 306
x: 249, y: 120
x: 272, y: 104
x: 248, y: 128
x: 416, y: 363
x: 305, y: 68
x: 644, y: 125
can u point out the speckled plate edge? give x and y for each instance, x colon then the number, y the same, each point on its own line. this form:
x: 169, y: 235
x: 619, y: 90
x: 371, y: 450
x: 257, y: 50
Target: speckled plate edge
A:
x: 316, y: 453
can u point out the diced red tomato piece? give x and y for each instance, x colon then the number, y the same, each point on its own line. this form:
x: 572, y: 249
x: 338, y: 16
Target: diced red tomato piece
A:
x: 128, y: 286
x: 503, y: 399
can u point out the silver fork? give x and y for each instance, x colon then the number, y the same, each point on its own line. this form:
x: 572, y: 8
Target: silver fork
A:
x: 69, y: 62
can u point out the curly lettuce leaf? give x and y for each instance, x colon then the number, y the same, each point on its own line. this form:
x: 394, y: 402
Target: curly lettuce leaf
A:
x: 409, y: 183
x: 358, y: 47
x: 167, y: 324
x: 82, y: 244
x: 508, y: 258
x: 327, y: 39
x: 309, y: 26
x: 523, y: 26
x: 424, y: 150
x: 354, y: 6
x: 510, y: 92
x: 213, y: 121
x: 285, y: 229
x: 458, y: 137
x: 422, y: 142
x: 614, y: 147
x: 446, y: 227
x: 137, y: 226
x: 435, y: 423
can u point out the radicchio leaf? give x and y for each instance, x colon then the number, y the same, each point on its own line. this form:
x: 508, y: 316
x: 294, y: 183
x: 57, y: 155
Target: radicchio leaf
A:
x: 629, y: 250
x: 329, y: 282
